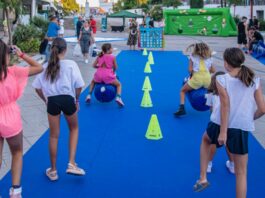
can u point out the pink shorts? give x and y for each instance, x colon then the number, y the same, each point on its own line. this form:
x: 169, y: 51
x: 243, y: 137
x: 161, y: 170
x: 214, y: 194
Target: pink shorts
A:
x: 10, y: 121
x: 106, y: 76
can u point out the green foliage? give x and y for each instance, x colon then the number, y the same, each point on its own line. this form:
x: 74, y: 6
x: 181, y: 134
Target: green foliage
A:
x: 25, y: 33
x: 41, y: 24
x: 29, y: 46
x: 157, y: 13
x: 196, y: 3
x: 145, y: 7
x: 124, y: 4
x: 262, y: 25
x: 154, y: 2
x: 27, y: 37
x: 174, y: 3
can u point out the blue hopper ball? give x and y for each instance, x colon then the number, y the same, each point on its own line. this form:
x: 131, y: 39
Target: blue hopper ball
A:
x: 105, y: 92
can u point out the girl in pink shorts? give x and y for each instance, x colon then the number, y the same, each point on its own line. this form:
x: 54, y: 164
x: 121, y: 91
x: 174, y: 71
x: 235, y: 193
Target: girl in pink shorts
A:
x: 12, y: 84
x: 106, y: 66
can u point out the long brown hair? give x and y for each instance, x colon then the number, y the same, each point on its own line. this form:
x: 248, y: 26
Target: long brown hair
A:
x: 200, y: 49
x: 3, y: 60
x: 212, y: 87
x: 105, y: 48
x: 235, y: 59
x: 58, y: 46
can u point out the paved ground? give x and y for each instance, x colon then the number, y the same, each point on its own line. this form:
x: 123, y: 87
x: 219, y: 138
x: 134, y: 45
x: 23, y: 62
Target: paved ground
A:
x: 33, y: 110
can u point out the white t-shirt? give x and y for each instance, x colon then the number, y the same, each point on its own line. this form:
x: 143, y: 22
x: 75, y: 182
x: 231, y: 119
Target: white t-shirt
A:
x: 214, y: 102
x: 242, y: 102
x: 196, y: 63
x: 68, y: 80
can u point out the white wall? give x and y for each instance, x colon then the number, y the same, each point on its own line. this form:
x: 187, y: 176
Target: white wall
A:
x: 239, y: 10
x: 245, y: 10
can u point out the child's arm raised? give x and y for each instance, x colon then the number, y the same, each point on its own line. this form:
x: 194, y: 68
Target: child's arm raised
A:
x: 260, y: 103
x: 225, y: 106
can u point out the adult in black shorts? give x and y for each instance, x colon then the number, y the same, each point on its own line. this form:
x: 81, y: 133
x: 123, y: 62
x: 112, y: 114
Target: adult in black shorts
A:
x: 242, y: 32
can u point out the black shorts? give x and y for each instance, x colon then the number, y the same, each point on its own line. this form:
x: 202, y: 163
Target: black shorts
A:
x: 237, y: 139
x: 61, y: 103
x: 241, y: 39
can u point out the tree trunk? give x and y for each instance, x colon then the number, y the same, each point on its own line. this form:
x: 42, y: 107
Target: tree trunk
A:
x: 222, y: 4
x: 251, y: 9
x: 10, y: 39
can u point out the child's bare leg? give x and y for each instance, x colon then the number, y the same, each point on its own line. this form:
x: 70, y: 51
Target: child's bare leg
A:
x: 205, y: 152
x: 241, y: 174
x: 16, y: 147
x: 229, y: 155
x: 54, y: 123
x: 91, y: 86
x: 118, y: 98
x: 212, y: 152
x: 118, y: 85
x: 1, y: 150
x: 183, y: 91
x: 181, y: 110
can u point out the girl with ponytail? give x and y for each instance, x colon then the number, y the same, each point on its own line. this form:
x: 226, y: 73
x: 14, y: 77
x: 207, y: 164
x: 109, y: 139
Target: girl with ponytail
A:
x: 200, y: 67
x: 106, y: 66
x: 241, y: 102
x: 59, y: 86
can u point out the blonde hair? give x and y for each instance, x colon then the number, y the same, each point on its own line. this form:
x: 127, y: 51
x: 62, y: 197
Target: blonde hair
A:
x: 200, y: 49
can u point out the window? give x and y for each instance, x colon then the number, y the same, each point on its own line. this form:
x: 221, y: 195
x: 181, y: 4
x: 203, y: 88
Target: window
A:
x: 260, y: 14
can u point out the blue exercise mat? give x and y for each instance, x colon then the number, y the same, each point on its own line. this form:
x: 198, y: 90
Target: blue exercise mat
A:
x: 120, y: 162
x: 260, y: 59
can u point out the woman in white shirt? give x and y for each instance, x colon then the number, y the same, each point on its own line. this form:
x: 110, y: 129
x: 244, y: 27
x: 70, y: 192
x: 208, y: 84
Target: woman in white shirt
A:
x: 241, y: 102
x: 59, y: 86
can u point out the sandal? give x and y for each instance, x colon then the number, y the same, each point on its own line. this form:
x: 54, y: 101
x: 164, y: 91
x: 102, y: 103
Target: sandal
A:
x: 52, y: 175
x: 75, y: 170
x: 199, y: 186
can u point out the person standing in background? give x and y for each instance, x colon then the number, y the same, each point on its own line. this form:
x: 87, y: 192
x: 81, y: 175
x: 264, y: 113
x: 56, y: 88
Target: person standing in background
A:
x: 242, y: 33
x: 93, y: 24
x: 256, y: 23
x: 79, y: 25
x: 52, y: 33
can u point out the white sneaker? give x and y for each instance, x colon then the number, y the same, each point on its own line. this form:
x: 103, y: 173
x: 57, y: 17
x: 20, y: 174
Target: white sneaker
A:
x: 86, y: 61
x: 119, y: 101
x: 75, y: 170
x: 88, y: 98
x: 230, y: 166
x: 15, y: 192
x: 209, y: 167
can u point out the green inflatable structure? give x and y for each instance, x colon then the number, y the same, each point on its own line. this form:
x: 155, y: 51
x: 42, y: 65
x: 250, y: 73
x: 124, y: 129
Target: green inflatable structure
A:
x: 205, y: 22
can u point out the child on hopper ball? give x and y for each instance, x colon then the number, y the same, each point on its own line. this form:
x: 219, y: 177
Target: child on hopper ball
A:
x: 200, y: 67
x: 106, y: 66
x: 237, y: 89
x: 213, y: 100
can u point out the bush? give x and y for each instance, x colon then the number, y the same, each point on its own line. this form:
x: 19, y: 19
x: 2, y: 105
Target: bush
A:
x: 262, y: 25
x: 27, y: 37
x: 157, y: 13
x: 41, y: 24
x: 29, y: 46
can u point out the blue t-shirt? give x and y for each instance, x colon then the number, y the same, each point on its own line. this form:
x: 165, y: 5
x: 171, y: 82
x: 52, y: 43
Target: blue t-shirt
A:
x: 53, y: 29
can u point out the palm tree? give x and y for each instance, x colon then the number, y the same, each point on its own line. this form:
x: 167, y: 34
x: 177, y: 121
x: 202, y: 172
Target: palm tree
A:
x: 9, y: 6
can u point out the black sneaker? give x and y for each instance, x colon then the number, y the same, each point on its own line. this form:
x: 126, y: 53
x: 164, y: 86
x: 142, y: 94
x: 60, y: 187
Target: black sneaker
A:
x: 181, y: 111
